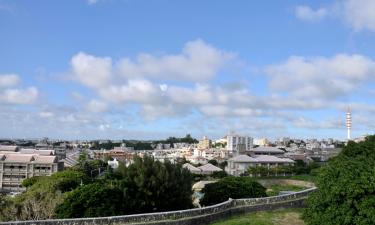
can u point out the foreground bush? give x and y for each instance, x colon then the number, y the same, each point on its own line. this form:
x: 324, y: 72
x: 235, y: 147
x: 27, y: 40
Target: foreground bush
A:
x: 346, y: 188
x: 232, y: 187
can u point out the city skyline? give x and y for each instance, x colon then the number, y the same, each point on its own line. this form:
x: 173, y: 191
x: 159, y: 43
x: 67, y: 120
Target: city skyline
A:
x: 124, y: 69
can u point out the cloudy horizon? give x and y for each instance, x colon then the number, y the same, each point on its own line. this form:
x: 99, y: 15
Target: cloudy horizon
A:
x: 113, y: 69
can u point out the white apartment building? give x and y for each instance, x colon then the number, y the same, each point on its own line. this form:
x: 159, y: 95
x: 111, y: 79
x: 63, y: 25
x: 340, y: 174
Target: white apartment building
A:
x: 15, y: 167
x: 18, y: 164
x: 240, y: 164
x: 239, y: 144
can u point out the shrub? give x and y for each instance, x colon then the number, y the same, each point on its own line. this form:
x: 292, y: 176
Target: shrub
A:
x: 232, y: 187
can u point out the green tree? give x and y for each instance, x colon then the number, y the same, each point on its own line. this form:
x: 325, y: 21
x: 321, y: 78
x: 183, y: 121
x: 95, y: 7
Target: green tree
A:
x: 346, y: 188
x: 42, y: 196
x: 90, y: 167
x: 231, y: 187
x: 92, y: 200
x: 158, y: 186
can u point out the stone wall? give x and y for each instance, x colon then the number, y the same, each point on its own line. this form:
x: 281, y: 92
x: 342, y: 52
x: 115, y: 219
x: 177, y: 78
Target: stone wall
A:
x: 198, y: 216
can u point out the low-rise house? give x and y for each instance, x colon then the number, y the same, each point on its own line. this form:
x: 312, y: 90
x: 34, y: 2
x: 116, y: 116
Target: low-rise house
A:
x: 191, y: 168
x: 9, y: 148
x: 266, y: 151
x: 241, y: 163
x: 209, y: 169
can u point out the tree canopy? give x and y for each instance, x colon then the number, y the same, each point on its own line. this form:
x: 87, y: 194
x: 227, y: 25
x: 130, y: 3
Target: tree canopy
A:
x: 346, y: 188
x: 231, y: 187
x: 144, y: 186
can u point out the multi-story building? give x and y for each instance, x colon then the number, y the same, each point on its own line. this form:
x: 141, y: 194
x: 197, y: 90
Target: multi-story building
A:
x: 241, y: 163
x: 205, y: 143
x: 239, y: 144
x: 15, y: 167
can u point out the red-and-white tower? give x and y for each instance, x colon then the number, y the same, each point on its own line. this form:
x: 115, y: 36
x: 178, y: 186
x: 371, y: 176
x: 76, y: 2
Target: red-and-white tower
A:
x: 349, y: 122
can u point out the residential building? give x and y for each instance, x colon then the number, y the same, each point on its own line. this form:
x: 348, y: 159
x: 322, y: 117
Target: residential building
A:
x: 239, y: 144
x: 205, y: 143
x: 267, y: 151
x: 15, y: 167
x: 241, y: 163
x: 261, y: 142
x: 207, y: 169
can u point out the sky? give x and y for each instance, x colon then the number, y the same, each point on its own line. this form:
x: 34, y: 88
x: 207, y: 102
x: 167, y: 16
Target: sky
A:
x: 150, y: 69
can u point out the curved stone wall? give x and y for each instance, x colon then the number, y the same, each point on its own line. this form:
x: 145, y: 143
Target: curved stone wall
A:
x: 196, y: 216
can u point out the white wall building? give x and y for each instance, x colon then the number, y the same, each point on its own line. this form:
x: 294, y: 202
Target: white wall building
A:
x: 239, y: 144
x: 240, y: 164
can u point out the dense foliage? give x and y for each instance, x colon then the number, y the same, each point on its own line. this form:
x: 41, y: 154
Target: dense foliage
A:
x: 231, y: 187
x: 346, y: 188
x: 144, y: 186
x: 142, y: 145
x: 42, y: 196
x: 186, y: 139
x: 157, y: 186
x: 96, y: 199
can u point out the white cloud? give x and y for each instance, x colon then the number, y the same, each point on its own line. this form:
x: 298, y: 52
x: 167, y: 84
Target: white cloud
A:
x: 94, y: 72
x: 148, y: 85
x: 19, y: 96
x: 9, y: 80
x: 92, y: 2
x: 321, y: 77
x: 97, y: 106
x: 135, y: 90
x: 308, y: 14
x: 46, y: 114
x: 360, y: 14
x: 198, y: 61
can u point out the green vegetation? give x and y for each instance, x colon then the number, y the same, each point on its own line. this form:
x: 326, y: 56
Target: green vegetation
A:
x: 42, y: 196
x: 277, y: 217
x: 346, y: 188
x: 299, y: 168
x: 231, y: 187
x: 144, y: 186
x: 142, y: 145
x: 172, y: 140
x: 92, y: 200
x: 304, y: 177
x: 276, y: 188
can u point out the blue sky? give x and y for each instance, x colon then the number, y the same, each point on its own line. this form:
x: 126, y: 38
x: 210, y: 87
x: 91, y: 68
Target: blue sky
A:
x: 145, y: 69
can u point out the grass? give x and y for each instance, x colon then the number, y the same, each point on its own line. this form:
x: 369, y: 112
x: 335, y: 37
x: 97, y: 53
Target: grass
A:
x: 277, y: 217
x: 303, y: 177
x: 276, y: 188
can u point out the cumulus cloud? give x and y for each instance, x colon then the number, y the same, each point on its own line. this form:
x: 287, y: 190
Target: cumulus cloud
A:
x: 321, y: 77
x: 308, y: 14
x: 198, y: 61
x: 97, y: 106
x: 135, y: 90
x: 360, y: 14
x: 10, y: 94
x: 9, y: 80
x: 46, y: 114
x: 19, y: 96
x: 182, y: 85
x: 94, y: 72
x: 92, y: 2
